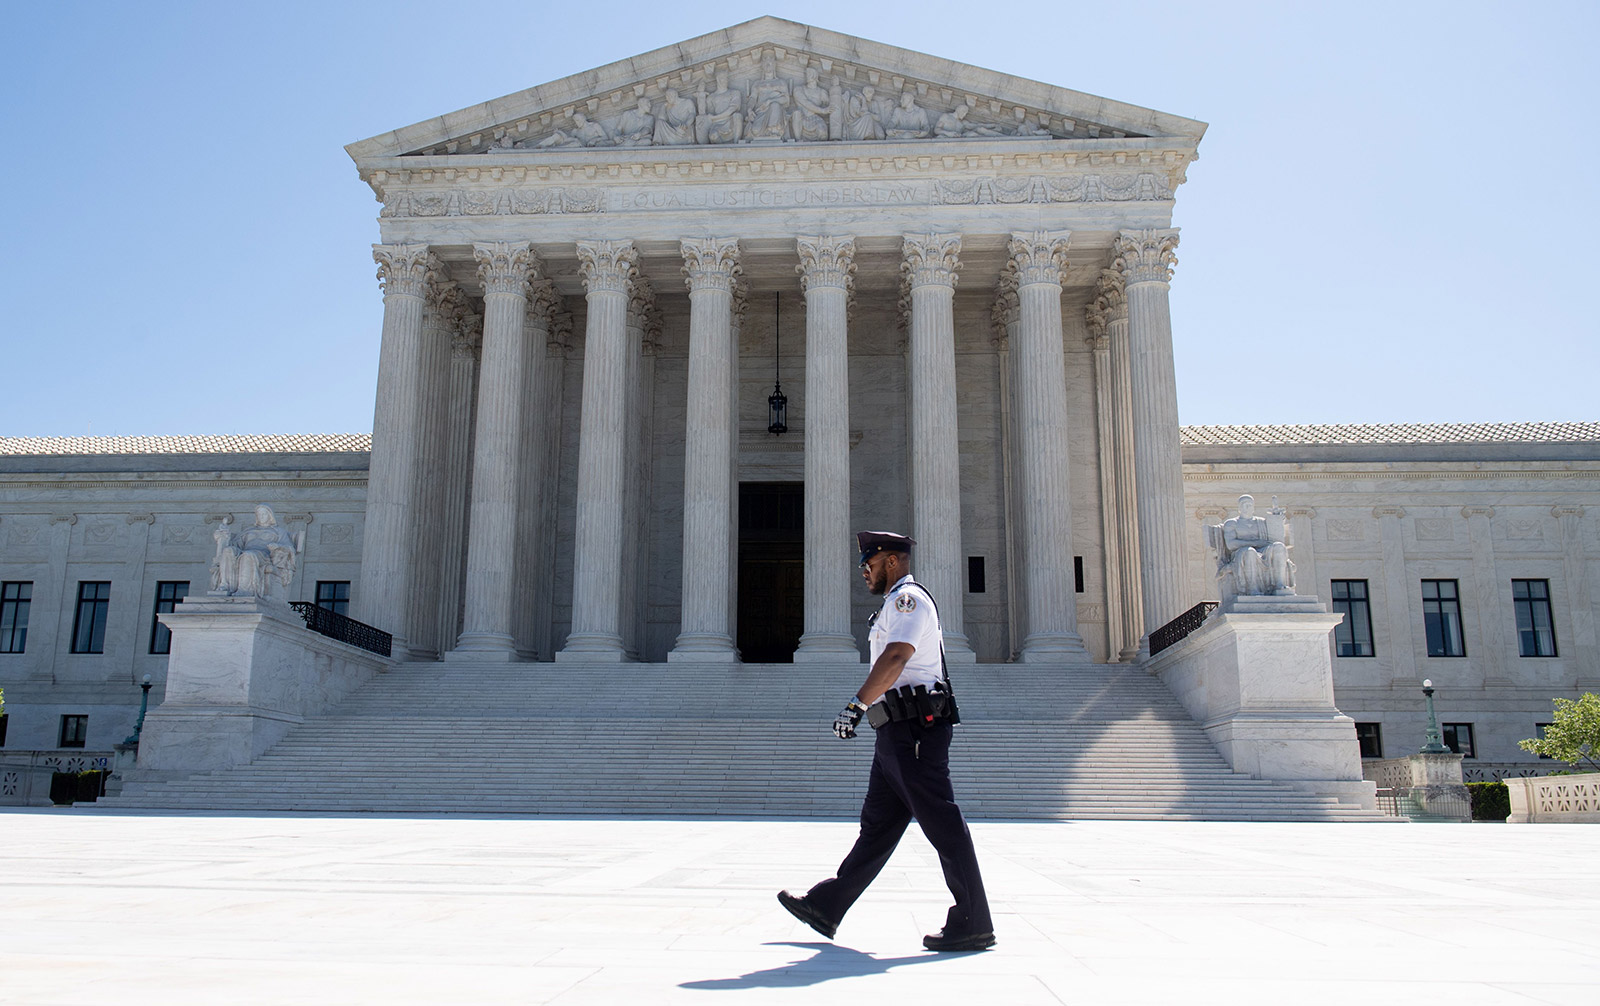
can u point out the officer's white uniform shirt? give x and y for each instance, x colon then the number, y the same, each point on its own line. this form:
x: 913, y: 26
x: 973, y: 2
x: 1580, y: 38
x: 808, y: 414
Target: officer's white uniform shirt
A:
x: 908, y: 616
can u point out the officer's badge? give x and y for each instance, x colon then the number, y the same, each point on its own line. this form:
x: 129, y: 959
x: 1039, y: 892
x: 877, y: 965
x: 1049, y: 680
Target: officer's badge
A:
x: 905, y: 604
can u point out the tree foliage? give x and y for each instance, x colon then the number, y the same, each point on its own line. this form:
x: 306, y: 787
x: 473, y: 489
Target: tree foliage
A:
x: 1574, y: 734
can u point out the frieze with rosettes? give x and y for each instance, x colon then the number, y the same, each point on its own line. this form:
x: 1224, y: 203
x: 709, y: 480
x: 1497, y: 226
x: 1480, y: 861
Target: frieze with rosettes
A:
x: 466, y: 202
x: 1090, y: 188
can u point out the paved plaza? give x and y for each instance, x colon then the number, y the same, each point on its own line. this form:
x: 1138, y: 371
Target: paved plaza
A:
x: 126, y: 908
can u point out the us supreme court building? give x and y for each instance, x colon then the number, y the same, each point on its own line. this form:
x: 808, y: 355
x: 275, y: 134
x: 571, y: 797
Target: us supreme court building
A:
x: 658, y: 337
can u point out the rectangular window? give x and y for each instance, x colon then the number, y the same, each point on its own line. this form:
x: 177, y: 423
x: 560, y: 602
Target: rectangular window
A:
x: 334, y: 595
x: 168, y: 594
x: 1538, y: 731
x: 1077, y: 574
x: 74, y: 731
x: 89, y: 627
x: 5, y: 718
x: 1536, y: 630
x: 1353, y: 636
x: 975, y: 583
x: 1441, y: 618
x: 1370, y: 736
x: 1458, y: 738
x: 15, y: 600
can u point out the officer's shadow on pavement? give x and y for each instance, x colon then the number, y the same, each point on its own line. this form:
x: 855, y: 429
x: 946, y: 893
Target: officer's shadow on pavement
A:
x: 830, y: 961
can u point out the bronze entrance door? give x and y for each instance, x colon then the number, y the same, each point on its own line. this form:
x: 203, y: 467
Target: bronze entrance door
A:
x: 772, y: 570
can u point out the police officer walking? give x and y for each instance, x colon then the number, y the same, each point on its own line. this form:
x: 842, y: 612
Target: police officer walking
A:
x: 908, y: 700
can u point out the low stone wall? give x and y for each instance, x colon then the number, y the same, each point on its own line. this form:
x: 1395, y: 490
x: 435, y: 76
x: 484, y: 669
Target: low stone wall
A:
x: 25, y: 775
x: 1423, y: 786
x: 1555, y: 799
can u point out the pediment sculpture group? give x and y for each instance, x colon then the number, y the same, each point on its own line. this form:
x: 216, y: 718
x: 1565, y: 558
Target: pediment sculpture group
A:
x: 771, y: 109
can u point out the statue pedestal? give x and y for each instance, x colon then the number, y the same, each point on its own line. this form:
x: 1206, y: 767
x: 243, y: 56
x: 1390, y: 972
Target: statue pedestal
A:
x: 1258, y: 676
x: 243, y: 671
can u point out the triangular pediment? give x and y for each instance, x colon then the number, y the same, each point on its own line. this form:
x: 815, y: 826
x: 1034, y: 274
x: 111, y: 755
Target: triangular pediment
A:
x: 767, y: 82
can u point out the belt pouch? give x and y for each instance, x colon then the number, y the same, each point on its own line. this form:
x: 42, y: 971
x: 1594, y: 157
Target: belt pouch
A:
x: 877, y: 715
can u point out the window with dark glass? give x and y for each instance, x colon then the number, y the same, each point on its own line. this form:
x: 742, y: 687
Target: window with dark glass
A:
x: 1441, y: 618
x: 334, y: 595
x: 5, y: 719
x: 1370, y: 736
x: 975, y: 578
x: 89, y: 626
x: 168, y: 594
x: 1458, y: 738
x: 1077, y: 574
x: 1536, y: 630
x: 15, y: 600
x: 1353, y: 636
x: 74, y: 731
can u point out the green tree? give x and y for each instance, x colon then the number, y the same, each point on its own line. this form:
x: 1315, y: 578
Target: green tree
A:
x: 1574, y: 736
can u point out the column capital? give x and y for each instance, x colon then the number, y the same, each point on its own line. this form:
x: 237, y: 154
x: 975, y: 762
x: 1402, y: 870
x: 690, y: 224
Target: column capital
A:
x: 741, y: 298
x: 1007, y: 308
x: 543, y: 303
x: 506, y: 266
x: 405, y: 269
x: 827, y: 261
x: 607, y: 266
x: 1110, y: 302
x: 1146, y: 256
x: 1039, y: 256
x: 931, y: 259
x: 710, y: 263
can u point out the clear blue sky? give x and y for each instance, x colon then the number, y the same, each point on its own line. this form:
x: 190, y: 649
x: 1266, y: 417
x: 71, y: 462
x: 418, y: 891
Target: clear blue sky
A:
x: 1390, y: 220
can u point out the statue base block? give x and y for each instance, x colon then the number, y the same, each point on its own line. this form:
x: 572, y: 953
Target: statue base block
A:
x: 1259, y: 679
x: 243, y: 671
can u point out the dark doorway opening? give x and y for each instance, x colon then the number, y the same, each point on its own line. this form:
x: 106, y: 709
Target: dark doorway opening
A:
x: 772, y: 570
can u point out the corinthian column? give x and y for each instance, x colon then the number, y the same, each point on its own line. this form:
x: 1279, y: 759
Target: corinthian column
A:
x: 533, y: 535
x: 827, y: 269
x: 930, y: 265
x: 504, y: 269
x: 607, y: 269
x: 464, y: 347
x: 1100, y: 348
x: 1042, y: 434
x: 444, y: 303
x: 1145, y: 260
x: 404, y: 272
x: 710, y: 265
x: 1111, y: 302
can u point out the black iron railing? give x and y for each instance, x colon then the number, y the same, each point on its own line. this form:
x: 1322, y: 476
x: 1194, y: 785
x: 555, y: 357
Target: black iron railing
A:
x: 1181, y: 626
x: 343, y: 628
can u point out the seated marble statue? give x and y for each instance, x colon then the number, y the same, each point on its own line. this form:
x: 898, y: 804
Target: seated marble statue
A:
x: 954, y: 124
x: 908, y: 121
x: 675, y: 124
x: 720, y: 119
x: 768, y: 105
x: 247, y: 562
x: 816, y: 109
x: 636, y: 127
x: 860, y: 121
x: 1253, y: 552
x: 586, y: 133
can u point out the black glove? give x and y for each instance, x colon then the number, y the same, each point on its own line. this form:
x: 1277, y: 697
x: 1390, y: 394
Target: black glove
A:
x: 844, y: 725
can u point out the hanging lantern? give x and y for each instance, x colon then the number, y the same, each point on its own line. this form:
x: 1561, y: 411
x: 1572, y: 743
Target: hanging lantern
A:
x: 777, y: 402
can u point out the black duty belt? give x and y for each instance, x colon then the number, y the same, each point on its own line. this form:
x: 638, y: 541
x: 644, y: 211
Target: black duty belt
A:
x: 912, y: 702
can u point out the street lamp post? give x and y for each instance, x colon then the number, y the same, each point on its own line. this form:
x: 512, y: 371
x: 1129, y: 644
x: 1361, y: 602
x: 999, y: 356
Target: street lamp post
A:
x: 1431, y: 743
x: 144, y: 704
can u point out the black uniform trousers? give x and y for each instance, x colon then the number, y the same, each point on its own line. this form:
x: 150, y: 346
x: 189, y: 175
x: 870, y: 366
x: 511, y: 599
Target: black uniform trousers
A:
x: 911, y: 779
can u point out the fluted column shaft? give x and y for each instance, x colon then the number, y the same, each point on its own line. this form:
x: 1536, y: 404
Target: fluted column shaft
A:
x: 1042, y: 436
x: 1145, y: 259
x: 532, y: 536
x: 504, y: 269
x: 444, y: 301
x: 464, y: 346
x: 1110, y: 307
x: 606, y: 268
x: 930, y: 264
x: 388, y: 536
x: 1100, y: 349
x: 710, y: 265
x: 826, y: 267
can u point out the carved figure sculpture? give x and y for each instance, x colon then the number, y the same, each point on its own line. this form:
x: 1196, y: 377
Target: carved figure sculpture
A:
x: 504, y: 144
x: 860, y: 123
x: 769, y: 104
x: 720, y: 119
x: 247, y: 562
x: 810, y: 120
x: 909, y: 121
x: 587, y: 133
x: 954, y: 124
x: 675, y: 124
x: 636, y: 127
x: 1253, y: 552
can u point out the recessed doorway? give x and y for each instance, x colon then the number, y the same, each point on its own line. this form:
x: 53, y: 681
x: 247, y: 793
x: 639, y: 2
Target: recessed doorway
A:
x: 772, y: 570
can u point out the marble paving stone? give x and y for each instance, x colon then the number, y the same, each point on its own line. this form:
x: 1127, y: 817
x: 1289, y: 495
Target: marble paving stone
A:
x: 127, y: 908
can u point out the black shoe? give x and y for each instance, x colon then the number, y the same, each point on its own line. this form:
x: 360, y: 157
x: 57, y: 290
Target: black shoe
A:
x: 802, y: 910
x: 968, y: 941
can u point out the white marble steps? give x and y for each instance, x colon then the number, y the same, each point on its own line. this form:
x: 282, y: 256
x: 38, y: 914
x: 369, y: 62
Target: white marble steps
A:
x: 1075, y: 741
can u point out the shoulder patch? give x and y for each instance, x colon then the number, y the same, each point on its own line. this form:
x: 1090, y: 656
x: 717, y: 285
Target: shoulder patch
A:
x: 905, y: 604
